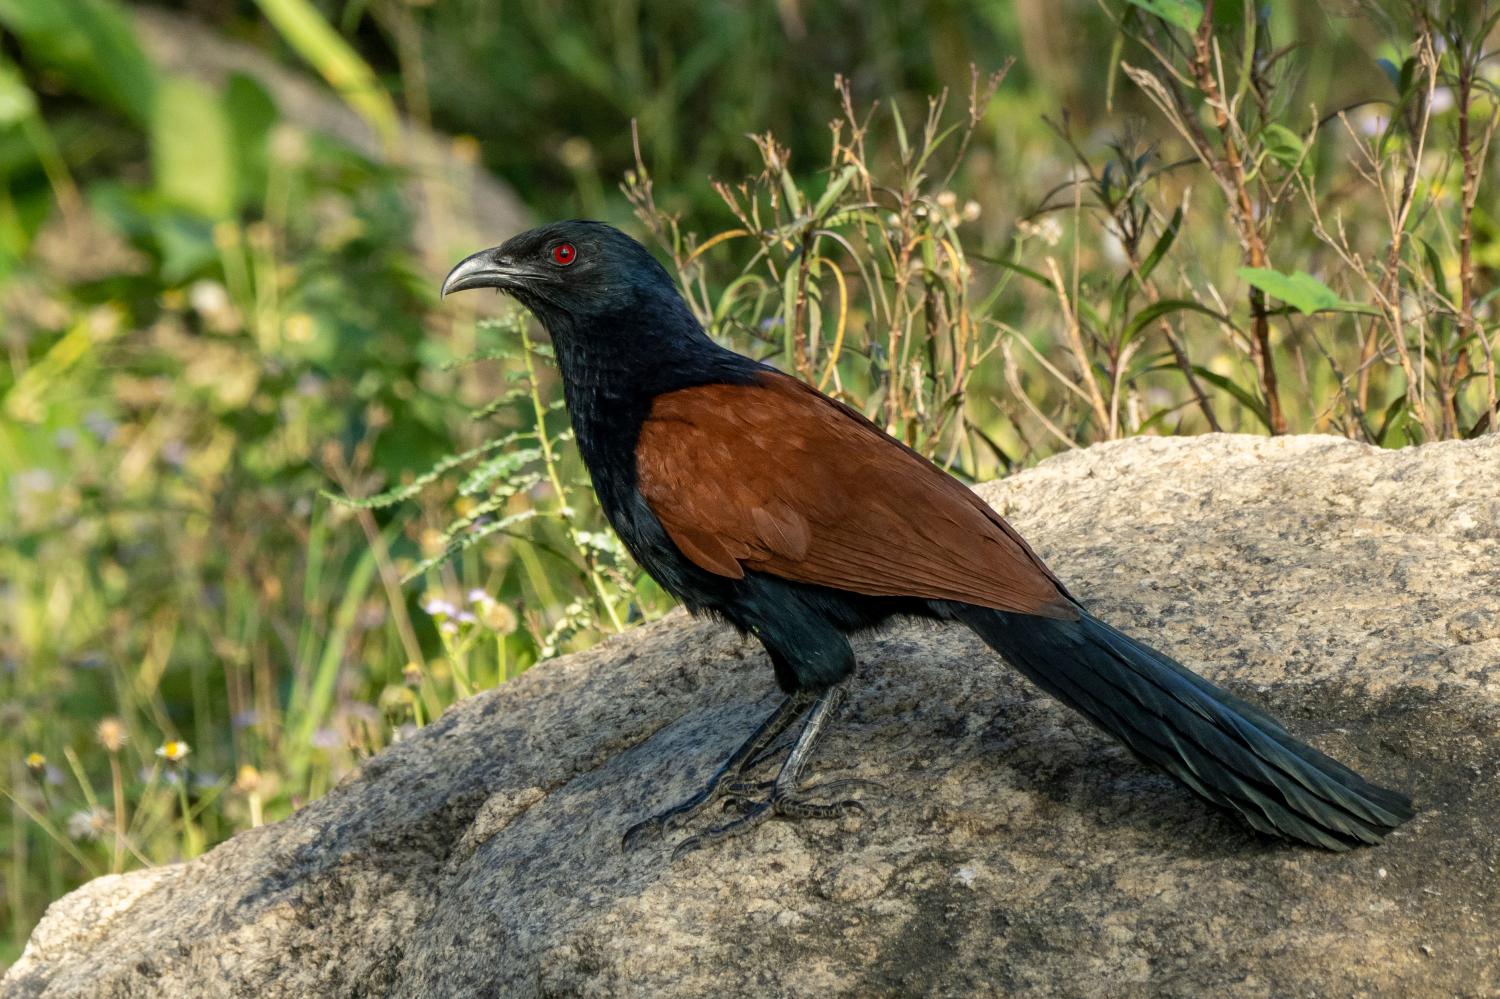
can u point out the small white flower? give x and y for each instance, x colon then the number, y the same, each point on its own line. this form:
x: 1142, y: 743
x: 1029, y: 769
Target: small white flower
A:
x: 208, y: 298
x: 438, y: 607
x: 1050, y: 230
x: 174, y: 750
x: 89, y: 823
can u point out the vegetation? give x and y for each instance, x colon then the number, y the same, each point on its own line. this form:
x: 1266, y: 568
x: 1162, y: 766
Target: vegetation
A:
x: 226, y: 369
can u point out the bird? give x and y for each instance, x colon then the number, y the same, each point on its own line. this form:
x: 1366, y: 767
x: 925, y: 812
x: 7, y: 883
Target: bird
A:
x: 754, y: 498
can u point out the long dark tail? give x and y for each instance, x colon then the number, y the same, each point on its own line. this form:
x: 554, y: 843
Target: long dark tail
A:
x: 1229, y: 752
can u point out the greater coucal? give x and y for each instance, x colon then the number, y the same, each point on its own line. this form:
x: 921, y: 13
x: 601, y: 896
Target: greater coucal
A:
x: 751, y: 496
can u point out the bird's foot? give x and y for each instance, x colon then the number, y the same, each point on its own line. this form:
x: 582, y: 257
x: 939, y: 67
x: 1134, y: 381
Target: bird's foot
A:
x: 745, y: 795
x: 732, y: 772
x: 760, y: 800
x: 671, y: 818
x: 729, y: 786
x: 786, y: 804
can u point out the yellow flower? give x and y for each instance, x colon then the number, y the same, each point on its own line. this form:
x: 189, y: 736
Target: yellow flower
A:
x: 498, y: 617
x: 173, y: 750
x: 300, y: 327
x: 247, y: 780
x: 396, y: 701
x: 36, y: 762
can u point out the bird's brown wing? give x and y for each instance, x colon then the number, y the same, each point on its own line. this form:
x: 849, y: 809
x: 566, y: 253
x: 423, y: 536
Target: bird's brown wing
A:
x: 778, y: 478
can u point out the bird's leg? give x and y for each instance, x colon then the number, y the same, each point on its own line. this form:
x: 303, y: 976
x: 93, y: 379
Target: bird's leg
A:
x: 787, y: 798
x: 772, y: 748
x: 767, y: 732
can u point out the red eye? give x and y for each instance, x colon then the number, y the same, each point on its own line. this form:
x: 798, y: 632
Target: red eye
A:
x: 564, y: 254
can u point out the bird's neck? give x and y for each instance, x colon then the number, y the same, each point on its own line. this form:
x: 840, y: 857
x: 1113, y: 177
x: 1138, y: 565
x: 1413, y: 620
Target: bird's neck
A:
x: 614, y: 369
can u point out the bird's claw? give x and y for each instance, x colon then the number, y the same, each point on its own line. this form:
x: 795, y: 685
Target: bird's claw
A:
x: 796, y: 808
x: 754, y: 815
x: 741, y: 794
x: 678, y: 815
x: 848, y: 784
x: 637, y: 835
x: 759, y: 800
x: 785, y: 804
x: 651, y: 829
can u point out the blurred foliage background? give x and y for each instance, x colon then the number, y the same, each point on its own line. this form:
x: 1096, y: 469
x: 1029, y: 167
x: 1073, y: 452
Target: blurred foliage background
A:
x: 223, y: 224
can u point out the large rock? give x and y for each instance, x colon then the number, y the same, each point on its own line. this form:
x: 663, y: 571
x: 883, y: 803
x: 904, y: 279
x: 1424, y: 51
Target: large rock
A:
x: 1353, y: 591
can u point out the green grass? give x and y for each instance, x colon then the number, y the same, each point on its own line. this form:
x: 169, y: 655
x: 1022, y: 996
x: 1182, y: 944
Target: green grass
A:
x: 218, y: 331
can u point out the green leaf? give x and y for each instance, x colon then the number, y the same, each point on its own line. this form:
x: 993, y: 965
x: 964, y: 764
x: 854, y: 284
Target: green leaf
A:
x: 1301, y: 291
x: 315, y: 40
x: 1125, y: 288
x: 1160, y: 416
x: 901, y: 140
x: 88, y: 43
x: 789, y: 314
x: 792, y: 195
x: 1282, y: 144
x: 305, y: 711
x: 1159, y: 251
x: 1247, y: 400
x: 1434, y: 267
x: 1090, y: 316
x: 1185, y: 14
x: 1229, y: 15
x: 186, y: 245
x: 393, y: 496
x: 192, y: 149
x: 251, y: 113
x: 1397, y: 415
x: 1165, y: 307
x: 467, y: 540
x: 835, y: 188
x: 501, y: 466
x: 1116, y: 49
x: 17, y: 102
x: 1025, y: 272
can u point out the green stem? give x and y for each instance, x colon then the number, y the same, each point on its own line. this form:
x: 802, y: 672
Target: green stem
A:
x: 458, y: 659
x: 16, y: 888
x: 117, y: 784
x: 189, y: 831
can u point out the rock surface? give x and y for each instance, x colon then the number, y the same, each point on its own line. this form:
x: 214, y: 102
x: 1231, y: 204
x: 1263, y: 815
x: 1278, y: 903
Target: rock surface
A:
x: 1354, y: 592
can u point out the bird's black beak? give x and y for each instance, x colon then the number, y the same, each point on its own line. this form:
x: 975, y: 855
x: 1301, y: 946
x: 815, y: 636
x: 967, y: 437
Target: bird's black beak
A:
x: 485, y: 269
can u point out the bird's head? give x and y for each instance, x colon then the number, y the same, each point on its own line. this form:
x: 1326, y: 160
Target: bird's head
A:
x: 572, y: 275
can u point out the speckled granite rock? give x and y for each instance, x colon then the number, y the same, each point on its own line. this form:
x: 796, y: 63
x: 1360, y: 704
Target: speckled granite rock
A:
x: 1355, y: 592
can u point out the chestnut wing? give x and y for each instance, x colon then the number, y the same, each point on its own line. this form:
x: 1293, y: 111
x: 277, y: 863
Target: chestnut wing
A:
x: 778, y: 478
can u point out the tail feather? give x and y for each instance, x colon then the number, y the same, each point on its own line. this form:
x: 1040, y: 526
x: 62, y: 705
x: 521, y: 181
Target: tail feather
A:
x: 1221, y: 747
